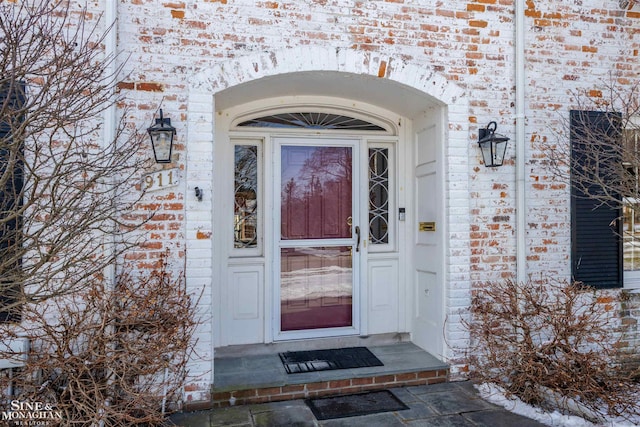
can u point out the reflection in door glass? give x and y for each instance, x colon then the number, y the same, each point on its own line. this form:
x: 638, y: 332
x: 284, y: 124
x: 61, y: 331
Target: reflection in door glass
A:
x: 316, y: 288
x: 245, y: 215
x: 316, y: 192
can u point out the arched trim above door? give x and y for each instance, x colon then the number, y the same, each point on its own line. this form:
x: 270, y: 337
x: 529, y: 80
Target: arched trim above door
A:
x: 312, y: 113
x: 416, y: 85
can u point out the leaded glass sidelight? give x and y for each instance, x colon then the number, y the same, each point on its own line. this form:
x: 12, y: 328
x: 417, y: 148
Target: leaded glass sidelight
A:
x: 379, y: 195
x: 246, y: 197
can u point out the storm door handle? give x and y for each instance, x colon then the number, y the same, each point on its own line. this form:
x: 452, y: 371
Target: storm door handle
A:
x: 357, y: 238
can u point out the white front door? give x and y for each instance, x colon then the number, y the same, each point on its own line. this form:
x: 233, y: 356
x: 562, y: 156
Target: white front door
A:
x: 322, y: 239
x: 318, y: 238
x: 427, y: 233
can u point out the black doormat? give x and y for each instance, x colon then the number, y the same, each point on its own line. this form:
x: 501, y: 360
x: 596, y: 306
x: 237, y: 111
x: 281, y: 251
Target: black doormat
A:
x: 327, y: 408
x: 325, y: 360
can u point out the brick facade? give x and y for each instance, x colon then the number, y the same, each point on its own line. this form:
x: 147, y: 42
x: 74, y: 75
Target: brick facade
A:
x: 183, y: 53
x: 326, y: 388
x: 630, y: 339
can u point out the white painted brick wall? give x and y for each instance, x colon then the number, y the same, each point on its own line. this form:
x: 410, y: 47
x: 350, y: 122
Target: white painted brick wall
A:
x: 195, y: 49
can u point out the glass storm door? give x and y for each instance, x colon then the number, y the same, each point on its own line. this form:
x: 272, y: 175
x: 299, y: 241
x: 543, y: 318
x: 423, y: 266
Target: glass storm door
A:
x: 318, y: 237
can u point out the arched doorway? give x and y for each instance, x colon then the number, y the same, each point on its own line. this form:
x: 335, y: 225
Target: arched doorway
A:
x: 315, y: 204
x: 401, y: 289
x: 322, y: 195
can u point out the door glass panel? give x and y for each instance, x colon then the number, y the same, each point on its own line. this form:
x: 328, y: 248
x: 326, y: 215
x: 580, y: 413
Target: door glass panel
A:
x: 316, y: 268
x: 379, y: 195
x: 245, y: 223
x: 316, y: 192
x: 316, y: 288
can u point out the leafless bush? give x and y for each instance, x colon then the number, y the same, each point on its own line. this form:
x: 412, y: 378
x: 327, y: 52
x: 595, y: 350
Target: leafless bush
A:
x: 60, y: 219
x: 101, y: 353
x: 549, y: 343
x: 607, y: 148
x: 110, y: 355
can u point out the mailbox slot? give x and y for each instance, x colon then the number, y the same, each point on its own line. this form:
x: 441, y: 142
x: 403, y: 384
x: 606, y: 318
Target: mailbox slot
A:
x: 427, y: 226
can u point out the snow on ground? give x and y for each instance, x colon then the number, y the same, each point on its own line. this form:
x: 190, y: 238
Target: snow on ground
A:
x: 496, y: 395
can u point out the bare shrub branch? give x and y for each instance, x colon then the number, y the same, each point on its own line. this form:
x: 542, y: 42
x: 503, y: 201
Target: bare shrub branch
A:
x: 101, y: 353
x: 609, y: 153
x: 109, y: 355
x: 536, y: 340
x: 59, y: 218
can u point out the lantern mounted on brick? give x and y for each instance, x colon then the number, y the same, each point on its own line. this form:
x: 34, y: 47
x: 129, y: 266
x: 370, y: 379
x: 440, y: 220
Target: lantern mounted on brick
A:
x: 162, y: 134
x: 493, y: 145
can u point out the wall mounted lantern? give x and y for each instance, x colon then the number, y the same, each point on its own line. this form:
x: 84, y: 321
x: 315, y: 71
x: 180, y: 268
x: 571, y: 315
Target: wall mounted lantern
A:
x: 161, y: 134
x: 493, y: 145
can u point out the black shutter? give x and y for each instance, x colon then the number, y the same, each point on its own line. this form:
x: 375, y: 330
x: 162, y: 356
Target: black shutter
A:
x: 596, y: 228
x: 12, y: 99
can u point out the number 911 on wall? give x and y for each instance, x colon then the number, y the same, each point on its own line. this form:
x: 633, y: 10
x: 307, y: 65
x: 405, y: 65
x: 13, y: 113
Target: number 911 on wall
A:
x: 159, y: 180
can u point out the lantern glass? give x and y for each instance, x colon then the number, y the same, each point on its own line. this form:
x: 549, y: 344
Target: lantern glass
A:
x: 493, y: 145
x: 161, y: 134
x: 493, y: 151
x: 162, y: 143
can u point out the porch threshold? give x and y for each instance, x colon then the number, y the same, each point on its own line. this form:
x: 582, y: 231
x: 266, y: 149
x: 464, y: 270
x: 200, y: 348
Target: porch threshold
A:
x: 262, y: 378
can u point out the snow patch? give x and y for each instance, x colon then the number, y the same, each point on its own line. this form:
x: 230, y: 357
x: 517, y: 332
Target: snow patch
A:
x: 497, y: 396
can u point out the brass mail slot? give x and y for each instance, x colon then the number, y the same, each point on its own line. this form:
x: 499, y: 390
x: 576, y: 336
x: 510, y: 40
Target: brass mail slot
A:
x: 427, y: 226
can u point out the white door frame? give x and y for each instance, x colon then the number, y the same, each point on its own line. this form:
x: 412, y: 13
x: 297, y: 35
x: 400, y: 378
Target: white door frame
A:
x: 359, y: 255
x: 397, y: 265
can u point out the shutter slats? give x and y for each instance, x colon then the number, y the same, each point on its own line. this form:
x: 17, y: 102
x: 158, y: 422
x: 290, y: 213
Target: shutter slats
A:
x: 596, y: 246
x: 12, y: 100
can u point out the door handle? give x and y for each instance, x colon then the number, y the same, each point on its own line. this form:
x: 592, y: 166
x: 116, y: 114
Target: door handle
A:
x: 357, y: 238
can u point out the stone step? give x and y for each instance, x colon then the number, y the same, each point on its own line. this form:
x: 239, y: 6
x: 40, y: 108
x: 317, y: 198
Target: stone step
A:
x: 249, y: 379
x: 230, y: 396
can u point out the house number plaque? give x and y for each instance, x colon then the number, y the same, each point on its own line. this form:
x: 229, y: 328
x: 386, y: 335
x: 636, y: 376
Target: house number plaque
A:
x: 160, y: 180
